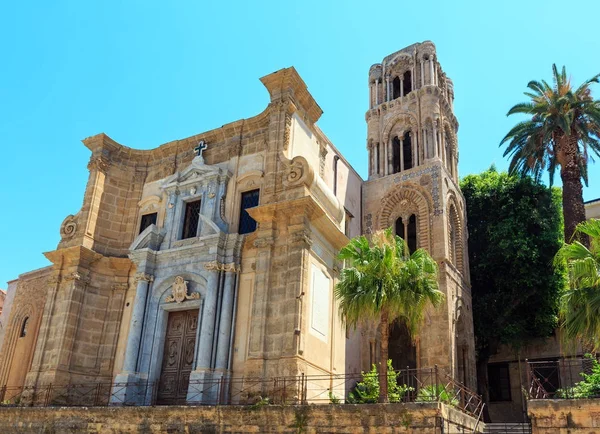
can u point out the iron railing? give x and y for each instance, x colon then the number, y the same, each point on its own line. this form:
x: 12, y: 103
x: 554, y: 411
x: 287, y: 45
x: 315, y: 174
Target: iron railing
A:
x: 556, y: 379
x: 421, y: 385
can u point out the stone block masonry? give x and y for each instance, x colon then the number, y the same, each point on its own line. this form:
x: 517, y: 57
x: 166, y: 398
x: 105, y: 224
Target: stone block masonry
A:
x: 421, y: 418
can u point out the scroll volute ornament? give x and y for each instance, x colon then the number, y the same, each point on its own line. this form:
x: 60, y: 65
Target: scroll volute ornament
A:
x: 68, y: 228
x: 179, y: 292
x: 299, y: 171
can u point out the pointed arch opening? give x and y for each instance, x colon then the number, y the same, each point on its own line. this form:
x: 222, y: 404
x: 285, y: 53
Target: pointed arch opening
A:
x: 396, y: 155
x: 402, y: 350
x: 455, y: 243
x: 407, y: 229
x: 407, y: 153
x: 406, y: 83
x: 396, y: 88
x: 24, y: 325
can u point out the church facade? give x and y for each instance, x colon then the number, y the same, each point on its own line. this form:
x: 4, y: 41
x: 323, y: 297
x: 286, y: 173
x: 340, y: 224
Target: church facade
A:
x: 214, y: 256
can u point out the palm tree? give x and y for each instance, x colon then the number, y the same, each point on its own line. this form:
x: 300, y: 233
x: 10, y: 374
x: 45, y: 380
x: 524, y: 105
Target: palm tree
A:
x: 563, y: 129
x: 383, y: 281
x: 580, y: 304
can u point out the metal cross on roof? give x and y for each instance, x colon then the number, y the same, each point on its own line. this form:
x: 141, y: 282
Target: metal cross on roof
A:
x: 201, y: 147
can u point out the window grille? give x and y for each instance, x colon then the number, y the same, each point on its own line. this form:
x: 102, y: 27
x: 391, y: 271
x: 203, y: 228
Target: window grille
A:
x: 147, y: 220
x: 249, y: 200
x: 191, y: 219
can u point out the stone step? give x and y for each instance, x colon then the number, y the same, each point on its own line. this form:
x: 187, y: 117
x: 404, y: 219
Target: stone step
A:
x: 507, y: 428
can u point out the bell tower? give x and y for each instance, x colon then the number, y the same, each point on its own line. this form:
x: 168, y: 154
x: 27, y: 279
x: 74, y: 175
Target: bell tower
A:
x: 413, y: 187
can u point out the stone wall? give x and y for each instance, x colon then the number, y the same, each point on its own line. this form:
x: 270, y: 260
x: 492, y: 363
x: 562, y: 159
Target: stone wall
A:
x: 565, y: 416
x: 425, y: 418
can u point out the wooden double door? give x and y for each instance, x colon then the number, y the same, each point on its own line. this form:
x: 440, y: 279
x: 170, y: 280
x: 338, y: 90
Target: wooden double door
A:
x: 178, y: 357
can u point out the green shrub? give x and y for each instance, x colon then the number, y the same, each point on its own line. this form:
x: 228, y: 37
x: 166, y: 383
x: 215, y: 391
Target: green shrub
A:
x: 434, y: 393
x: 367, y: 390
x: 589, y: 387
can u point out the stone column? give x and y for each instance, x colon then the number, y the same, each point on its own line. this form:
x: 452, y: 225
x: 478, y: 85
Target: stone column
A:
x: 390, y: 157
x: 401, y: 87
x: 422, y: 73
x: 377, y: 92
x: 209, y: 312
x: 401, y: 153
x: 435, y: 141
x: 431, y: 72
x: 387, y: 88
x: 384, y: 166
x: 134, y: 338
x: 224, y: 338
x: 371, y: 95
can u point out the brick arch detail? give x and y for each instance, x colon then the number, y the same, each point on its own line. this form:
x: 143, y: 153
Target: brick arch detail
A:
x: 412, y: 200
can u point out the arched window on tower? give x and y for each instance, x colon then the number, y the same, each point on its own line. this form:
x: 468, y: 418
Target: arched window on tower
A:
x: 408, y: 232
x: 396, y: 154
x: 24, y: 327
x: 407, y: 151
x: 452, y: 241
x: 396, y: 88
x: 407, y: 83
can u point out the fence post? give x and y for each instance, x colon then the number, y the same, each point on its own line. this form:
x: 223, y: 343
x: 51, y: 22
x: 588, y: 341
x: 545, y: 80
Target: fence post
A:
x: 528, y: 370
x: 436, y: 382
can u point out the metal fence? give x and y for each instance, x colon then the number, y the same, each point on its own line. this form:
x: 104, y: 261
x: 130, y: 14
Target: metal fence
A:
x: 417, y: 385
x: 557, y: 379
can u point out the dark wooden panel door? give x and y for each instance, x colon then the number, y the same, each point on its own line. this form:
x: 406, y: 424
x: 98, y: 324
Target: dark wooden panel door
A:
x: 178, y: 357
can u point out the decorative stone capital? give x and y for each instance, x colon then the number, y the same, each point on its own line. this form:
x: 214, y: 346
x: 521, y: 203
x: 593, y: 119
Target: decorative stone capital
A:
x: 120, y: 287
x: 144, y: 276
x: 77, y: 279
x: 264, y: 242
x: 98, y: 163
x: 302, y: 237
x: 212, y: 266
x: 231, y: 268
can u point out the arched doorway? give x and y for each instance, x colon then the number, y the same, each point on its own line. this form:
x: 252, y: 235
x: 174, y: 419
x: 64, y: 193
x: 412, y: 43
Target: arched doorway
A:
x: 402, y: 350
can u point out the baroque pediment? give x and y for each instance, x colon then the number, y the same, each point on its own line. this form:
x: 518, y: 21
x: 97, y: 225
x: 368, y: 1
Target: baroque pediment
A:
x: 196, y: 172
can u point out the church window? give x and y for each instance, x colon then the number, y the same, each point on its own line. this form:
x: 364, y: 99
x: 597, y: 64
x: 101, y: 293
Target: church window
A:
x: 191, y: 219
x: 147, y: 220
x: 249, y: 200
x: 396, y: 88
x: 499, y: 380
x: 396, y: 154
x: 408, y: 232
x: 407, y: 151
x: 24, y: 327
x: 407, y: 83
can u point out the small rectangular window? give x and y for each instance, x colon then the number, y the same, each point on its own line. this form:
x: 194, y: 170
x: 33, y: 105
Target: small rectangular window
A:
x: 499, y: 381
x: 347, y: 222
x: 190, y: 221
x: 249, y: 200
x: 147, y: 220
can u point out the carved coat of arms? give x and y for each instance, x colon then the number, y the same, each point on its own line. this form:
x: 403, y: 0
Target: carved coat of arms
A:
x: 179, y: 292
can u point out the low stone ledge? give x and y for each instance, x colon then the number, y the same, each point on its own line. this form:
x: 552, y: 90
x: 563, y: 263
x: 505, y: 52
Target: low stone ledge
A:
x: 561, y: 416
x: 417, y: 418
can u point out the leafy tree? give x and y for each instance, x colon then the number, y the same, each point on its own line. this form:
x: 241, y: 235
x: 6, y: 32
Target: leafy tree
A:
x: 562, y: 129
x: 580, y: 304
x: 383, y: 281
x: 514, y: 232
x: 367, y: 390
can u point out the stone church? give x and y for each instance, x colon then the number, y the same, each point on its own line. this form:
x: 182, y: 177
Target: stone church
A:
x: 214, y: 256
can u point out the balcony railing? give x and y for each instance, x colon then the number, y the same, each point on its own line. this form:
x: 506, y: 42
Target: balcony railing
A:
x: 422, y: 385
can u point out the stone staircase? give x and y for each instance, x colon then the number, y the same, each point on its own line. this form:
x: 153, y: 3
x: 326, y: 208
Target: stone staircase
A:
x: 507, y: 428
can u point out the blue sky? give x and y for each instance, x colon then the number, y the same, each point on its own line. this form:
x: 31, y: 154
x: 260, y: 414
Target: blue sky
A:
x: 148, y: 72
